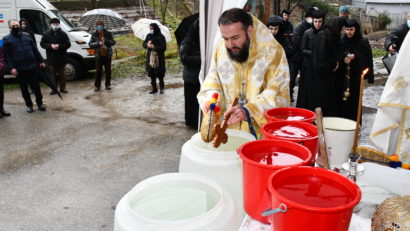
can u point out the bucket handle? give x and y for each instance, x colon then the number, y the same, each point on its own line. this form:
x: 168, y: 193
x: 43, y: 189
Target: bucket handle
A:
x: 282, y: 208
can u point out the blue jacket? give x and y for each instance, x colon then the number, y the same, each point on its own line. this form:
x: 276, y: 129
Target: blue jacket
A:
x: 21, y: 52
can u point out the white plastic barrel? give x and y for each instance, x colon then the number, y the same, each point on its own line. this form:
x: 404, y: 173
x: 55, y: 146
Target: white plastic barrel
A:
x: 339, y: 137
x: 222, y: 164
x: 176, y: 202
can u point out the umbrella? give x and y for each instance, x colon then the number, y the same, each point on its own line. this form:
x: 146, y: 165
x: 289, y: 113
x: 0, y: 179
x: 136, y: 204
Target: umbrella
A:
x: 47, y: 78
x: 110, y: 18
x: 141, y: 29
x: 183, y: 27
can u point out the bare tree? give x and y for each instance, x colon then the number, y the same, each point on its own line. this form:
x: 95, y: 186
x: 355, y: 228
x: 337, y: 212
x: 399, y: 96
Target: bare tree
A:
x: 93, y: 4
x: 291, y: 4
x: 276, y: 7
x: 153, y: 6
x: 163, y: 8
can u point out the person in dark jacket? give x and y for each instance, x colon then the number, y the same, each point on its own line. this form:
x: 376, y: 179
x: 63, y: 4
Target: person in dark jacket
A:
x: 2, y: 71
x: 355, y: 53
x: 275, y: 25
x: 295, y: 61
x: 306, y: 76
x: 25, y: 27
x: 287, y: 26
x: 102, y: 42
x: 395, y: 39
x: 155, y: 66
x: 23, y: 59
x: 344, y: 11
x: 56, y: 44
x: 190, y: 54
x: 325, y: 65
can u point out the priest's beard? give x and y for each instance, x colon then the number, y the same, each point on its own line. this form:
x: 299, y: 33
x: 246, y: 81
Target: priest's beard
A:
x: 243, y: 53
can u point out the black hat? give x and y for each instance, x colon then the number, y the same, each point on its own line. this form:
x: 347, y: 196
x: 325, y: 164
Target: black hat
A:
x: 275, y: 21
x: 353, y: 23
x: 54, y: 20
x: 309, y: 12
x: 319, y: 14
x: 285, y: 12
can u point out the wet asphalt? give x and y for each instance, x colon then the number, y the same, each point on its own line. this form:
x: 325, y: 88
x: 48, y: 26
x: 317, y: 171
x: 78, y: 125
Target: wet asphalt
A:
x: 67, y: 168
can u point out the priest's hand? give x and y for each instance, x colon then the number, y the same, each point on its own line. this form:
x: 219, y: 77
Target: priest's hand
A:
x: 205, y: 107
x: 236, y: 113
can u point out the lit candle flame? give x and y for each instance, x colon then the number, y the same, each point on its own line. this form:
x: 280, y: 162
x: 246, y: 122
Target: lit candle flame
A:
x: 365, y: 72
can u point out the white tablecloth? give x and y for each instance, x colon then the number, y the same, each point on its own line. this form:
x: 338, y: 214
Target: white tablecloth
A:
x: 377, y: 184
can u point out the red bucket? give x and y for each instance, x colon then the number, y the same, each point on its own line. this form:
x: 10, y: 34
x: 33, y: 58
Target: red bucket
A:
x: 290, y: 114
x: 255, y: 174
x: 311, y: 199
x: 294, y: 131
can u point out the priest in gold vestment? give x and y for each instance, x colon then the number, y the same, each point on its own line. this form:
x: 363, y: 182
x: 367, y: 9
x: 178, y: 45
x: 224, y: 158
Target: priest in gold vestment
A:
x: 249, y: 64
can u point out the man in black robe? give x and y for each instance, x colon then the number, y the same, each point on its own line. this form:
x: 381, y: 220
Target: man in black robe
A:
x: 324, y: 66
x: 296, y: 60
x: 275, y: 25
x: 190, y: 54
x: 287, y: 26
x: 305, y: 81
x: 354, y: 53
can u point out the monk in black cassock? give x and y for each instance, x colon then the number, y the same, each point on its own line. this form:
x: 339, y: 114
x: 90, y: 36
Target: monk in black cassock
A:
x: 305, y: 81
x: 276, y: 27
x: 325, y: 65
x: 355, y: 52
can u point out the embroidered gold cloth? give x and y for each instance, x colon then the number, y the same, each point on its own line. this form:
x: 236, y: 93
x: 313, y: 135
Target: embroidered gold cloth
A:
x: 266, y: 73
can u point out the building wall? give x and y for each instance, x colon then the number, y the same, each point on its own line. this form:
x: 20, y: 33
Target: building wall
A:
x: 359, y: 3
x: 397, y: 12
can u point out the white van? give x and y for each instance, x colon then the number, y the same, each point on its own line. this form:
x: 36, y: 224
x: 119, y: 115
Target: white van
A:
x: 38, y: 13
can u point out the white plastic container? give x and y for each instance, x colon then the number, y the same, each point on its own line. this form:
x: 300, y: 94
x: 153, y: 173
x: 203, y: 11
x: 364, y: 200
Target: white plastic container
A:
x: 339, y: 137
x: 222, y: 164
x: 176, y: 202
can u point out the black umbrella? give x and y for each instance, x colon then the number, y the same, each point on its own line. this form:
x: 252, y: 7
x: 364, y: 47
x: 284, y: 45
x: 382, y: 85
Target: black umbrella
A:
x: 183, y: 27
x: 47, y: 78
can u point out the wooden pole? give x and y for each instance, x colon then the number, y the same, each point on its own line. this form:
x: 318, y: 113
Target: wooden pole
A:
x: 321, y: 136
x: 359, y: 111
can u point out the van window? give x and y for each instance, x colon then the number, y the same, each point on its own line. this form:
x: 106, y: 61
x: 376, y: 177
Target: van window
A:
x: 63, y: 20
x: 39, y: 22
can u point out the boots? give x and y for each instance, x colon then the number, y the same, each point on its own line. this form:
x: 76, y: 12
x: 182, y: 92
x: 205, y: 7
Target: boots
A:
x: 154, y: 86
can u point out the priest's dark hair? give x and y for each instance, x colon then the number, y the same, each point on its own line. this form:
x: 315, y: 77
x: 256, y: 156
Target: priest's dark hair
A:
x: 235, y: 15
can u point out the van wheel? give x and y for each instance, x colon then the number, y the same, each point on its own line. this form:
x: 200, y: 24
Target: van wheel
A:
x: 72, y: 69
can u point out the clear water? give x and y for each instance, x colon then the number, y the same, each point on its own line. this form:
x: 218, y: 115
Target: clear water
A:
x: 234, y: 142
x: 314, y: 191
x: 290, y: 131
x: 279, y: 158
x: 173, y: 204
